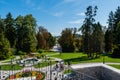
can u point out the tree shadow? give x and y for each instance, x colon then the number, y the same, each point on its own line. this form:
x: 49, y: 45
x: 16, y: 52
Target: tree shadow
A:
x: 80, y: 59
x: 83, y: 58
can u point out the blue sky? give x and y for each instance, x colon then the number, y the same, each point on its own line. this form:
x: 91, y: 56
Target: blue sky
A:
x: 56, y: 15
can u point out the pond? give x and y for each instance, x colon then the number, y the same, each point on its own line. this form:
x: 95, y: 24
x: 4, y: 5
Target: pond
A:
x: 28, y: 61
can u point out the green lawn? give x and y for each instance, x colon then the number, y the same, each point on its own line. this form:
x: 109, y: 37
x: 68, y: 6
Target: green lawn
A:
x: 10, y: 67
x: 76, y: 58
x: 44, y: 64
x: 49, y: 53
x: 17, y: 67
x: 115, y: 66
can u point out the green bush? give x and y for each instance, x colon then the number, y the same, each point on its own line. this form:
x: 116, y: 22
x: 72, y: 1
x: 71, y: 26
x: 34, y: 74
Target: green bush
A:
x: 116, y: 53
x: 40, y: 56
x: 21, y: 53
x: 40, y: 51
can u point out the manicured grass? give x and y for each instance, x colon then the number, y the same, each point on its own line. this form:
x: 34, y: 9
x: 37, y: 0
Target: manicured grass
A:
x: 76, y: 58
x: 69, y: 55
x: 115, y: 66
x: 10, y: 67
x: 9, y: 58
x: 49, y: 53
x: 44, y: 64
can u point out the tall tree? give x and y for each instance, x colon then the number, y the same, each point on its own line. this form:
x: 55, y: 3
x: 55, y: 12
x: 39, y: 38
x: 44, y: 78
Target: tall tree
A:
x: 86, y: 29
x: 109, y: 33
x: 51, y: 40
x: 112, y: 34
x: 1, y: 25
x: 116, y: 22
x: 45, y: 39
x: 30, y: 41
x: 20, y: 32
x: 98, y: 38
x: 5, y: 51
x: 66, y: 40
x: 42, y: 37
x: 116, y: 52
x: 10, y: 33
x: 26, y: 33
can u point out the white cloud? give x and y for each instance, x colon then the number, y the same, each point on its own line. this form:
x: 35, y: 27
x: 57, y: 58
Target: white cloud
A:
x: 93, y: 2
x: 30, y: 3
x: 67, y: 1
x: 39, y: 8
x: 58, y: 14
x: 79, y: 21
x: 55, y: 33
x: 81, y: 14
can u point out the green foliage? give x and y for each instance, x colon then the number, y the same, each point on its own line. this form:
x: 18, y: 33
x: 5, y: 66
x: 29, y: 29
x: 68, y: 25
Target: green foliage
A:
x: 1, y: 25
x: 40, y: 51
x: 67, y: 71
x: 112, y: 36
x: 98, y: 38
x: 9, y: 67
x: 20, y: 53
x: 51, y: 41
x: 5, y: 51
x: 116, y: 53
x: 45, y: 39
x: 115, y: 66
x: 92, y: 34
x: 67, y: 40
x: 10, y: 32
x: 26, y: 31
x: 108, y: 41
x: 109, y: 36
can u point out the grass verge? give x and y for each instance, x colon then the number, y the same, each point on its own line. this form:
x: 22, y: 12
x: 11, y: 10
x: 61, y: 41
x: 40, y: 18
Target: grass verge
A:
x: 76, y: 58
x: 10, y: 67
x: 115, y: 66
x: 44, y: 64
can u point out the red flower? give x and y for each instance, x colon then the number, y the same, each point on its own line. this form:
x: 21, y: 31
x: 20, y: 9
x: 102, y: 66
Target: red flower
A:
x: 12, y: 77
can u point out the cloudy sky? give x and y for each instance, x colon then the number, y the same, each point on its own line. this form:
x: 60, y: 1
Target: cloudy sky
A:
x: 56, y: 15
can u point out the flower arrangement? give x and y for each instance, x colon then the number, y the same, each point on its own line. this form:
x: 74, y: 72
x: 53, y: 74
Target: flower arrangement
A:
x: 27, y: 73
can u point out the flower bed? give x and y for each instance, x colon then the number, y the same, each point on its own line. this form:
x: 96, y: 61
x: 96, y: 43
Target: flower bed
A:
x: 27, y: 73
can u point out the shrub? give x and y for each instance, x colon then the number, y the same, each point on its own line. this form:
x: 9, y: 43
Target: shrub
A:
x: 21, y: 53
x: 116, y: 53
x: 40, y: 51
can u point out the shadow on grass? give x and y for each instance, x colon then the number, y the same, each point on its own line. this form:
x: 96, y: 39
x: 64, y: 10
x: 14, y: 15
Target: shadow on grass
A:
x: 83, y: 58
x: 80, y: 59
x: 111, y: 56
